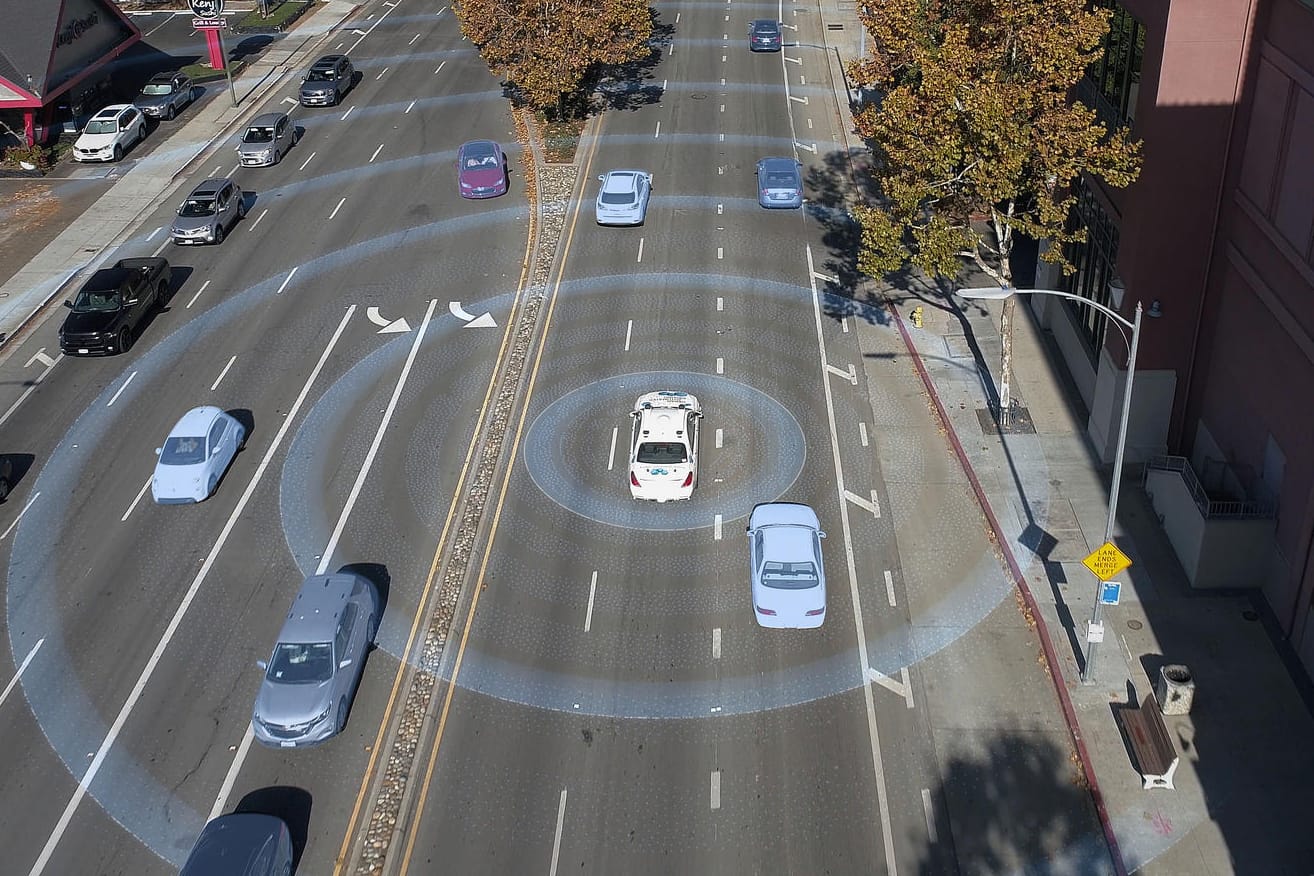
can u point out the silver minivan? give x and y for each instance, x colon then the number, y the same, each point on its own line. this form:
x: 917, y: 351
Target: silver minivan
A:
x: 311, y: 678
x: 266, y: 140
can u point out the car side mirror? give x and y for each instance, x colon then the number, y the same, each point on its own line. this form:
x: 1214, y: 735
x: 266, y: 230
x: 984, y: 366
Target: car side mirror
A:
x: 601, y: 177
x: 345, y: 663
x: 215, y: 450
x: 159, y: 450
x: 68, y: 304
x: 129, y: 302
x: 821, y: 534
x: 264, y: 665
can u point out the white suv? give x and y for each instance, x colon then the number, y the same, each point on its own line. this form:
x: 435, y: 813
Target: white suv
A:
x: 664, y: 446
x: 109, y: 133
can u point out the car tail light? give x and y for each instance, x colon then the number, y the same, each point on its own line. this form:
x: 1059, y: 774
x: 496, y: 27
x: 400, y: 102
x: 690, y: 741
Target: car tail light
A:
x: 817, y: 611
x: 634, y: 481
x: 766, y: 192
x: 761, y: 610
x: 688, y: 481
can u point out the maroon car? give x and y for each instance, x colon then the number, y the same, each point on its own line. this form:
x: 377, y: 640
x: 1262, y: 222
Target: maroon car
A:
x: 481, y: 169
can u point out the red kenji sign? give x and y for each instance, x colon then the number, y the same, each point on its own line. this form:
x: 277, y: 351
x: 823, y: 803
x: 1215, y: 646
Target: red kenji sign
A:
x: 209, y: 23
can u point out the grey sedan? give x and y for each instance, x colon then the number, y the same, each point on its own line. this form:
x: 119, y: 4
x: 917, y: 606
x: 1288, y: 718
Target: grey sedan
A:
x: 788, y: 578
x: 779, y: 183
x: 312, y: 676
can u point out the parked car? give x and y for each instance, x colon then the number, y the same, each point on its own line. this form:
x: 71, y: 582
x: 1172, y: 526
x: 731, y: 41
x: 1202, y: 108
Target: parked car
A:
x: 241, y: 844
x: 209, y: 212
x: 111, y: 306
x: 664, y: 446
x: 110, y: 133
x: 6, y: 476
x: 312, y: 675
x: 195, y: 456
x: 481, y: 169
x: 165, y: 95
x: 788, y: 577
x: 764, y: 35
x: 327, y: 81
x: 779, y: 183
x: 623, y: 198
x: 266, y: 140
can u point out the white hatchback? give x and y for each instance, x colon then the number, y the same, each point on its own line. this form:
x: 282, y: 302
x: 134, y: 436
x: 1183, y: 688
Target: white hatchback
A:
x: 195, y: 456
x: 664, y: 446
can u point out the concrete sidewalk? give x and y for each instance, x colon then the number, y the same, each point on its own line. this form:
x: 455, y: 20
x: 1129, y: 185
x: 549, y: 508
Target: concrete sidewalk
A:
x: 142, y: 185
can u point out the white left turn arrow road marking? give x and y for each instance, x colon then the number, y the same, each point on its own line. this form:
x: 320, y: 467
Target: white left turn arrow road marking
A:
x: 389, y: 326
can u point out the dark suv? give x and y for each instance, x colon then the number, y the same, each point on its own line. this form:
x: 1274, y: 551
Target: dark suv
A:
x: 327, y: 80
x: 764, y: 35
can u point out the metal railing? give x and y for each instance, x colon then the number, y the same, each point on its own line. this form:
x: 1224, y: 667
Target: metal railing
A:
x: 1210, y: 509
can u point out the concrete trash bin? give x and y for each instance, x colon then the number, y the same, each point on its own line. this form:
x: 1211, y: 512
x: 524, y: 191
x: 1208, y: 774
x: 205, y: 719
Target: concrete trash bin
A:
x: 1175, y: 690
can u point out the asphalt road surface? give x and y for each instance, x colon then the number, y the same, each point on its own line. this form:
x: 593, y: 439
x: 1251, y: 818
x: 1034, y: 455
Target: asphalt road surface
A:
x: 617, y: 709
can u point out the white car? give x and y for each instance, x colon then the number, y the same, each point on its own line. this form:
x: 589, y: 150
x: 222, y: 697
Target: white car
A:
x: 110, y: 133
x: 623, y: 198
x: 664, y: 446
x: 195, y: 456
x: 784, y: 554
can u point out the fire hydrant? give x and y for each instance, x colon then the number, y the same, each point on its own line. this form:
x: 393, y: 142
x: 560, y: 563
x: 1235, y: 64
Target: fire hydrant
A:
x: 917, y: 316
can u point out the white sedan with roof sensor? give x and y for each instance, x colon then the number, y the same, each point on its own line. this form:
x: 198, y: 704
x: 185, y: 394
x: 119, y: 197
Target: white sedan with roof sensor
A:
x: 623, y: 198
x: 195, y: 456
x: 788, y: 578
x: 664, y: 446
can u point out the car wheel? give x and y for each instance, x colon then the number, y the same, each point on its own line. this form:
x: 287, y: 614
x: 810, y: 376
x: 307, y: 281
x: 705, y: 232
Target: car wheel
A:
x: 241, y: 208
x: 371, y: 630
x: 342, y: 714
x: 209, y: 488
x: 125, y: 339
x: 169, y: 113
x: 141, y: 133
x: 4, y: 494
x: 218, y: 234
x: 118, y: 151
x: 162, y: 294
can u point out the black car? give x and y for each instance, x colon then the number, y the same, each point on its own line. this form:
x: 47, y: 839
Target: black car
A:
x: 327, y: 80
x: 241, y: 844
x: 764, y: 35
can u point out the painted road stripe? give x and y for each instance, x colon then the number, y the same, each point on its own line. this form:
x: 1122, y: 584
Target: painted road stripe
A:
x: 348, y: 112
x: 889, y: 587
x: 716, y: 790
x: 116, y: 395
x: 19, y: 674
x: 252, y: 226
x: 720, y: 365
x: 629, y: 329
x: 290, y: 274
x: 863, y: 503
x: 308, y: 160
x: 862, y: 433
x: 440, y: 68
x: 593, y: 590
x: 220, y: 378
x: 140, y: 493
x: 35, y: 383
x: 556, y: 840
x: 408, y: 109
x: 611, y: 454
x: 716, y: 643
x: 151, y: 236
x: 337, y: 208
x: 720, y: 437
x: 844, y: 324
x: 198, y: 294
x: 640, y: 258
x: 716, y: 527
x: 930, y: 817
x: 720, y: 302
x: 658, y: 132
x: 30, y: 503
x: 376, y: 153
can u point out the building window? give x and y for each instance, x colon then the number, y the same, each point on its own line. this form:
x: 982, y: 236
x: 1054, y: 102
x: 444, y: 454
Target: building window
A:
x: 1095, y: 260
x: 1113, y: 83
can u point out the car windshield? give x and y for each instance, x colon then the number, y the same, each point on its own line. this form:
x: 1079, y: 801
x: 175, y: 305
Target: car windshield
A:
x: 789, y: 576
x: 617, y: 198
x: 301, y: 663
x: 157, y: 88
x: 780, y: 180
x: 92, y: 301
x: 480, y: 158
x: 259, y: 135
x: 197, y: 207
x: 320, y: 76
x: 184, y: 450
x: 101, y: 126
x: 661, y: 453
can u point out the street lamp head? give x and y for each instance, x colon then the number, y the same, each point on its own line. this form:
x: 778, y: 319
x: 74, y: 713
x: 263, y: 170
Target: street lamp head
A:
x: 988, y: 293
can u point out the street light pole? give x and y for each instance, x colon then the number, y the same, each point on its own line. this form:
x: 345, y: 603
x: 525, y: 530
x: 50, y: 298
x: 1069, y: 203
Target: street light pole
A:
x: 1001, y: 292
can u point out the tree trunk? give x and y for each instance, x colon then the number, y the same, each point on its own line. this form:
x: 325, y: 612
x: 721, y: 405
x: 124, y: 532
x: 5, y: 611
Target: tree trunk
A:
x: 1006, y: 363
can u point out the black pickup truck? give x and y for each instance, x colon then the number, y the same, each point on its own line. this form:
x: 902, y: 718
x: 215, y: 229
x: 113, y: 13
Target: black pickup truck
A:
x: 111, y: 306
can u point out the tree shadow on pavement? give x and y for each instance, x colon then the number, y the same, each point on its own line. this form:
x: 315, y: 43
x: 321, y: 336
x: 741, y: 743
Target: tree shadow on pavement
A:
x: 632, y: 86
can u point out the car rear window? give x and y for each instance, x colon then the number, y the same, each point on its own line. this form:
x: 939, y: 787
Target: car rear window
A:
x: 789, y: 576
x: 779, y: 180
x: 661, y: 453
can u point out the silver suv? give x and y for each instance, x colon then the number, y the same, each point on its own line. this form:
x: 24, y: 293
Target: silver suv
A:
x: 312, y: 676
x: 210, y: 212
x: 327, y: 80
x: 266, y: 140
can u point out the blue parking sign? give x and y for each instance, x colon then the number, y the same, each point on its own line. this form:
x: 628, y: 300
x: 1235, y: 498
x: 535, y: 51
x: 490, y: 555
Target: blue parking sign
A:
x: 1109, y: 592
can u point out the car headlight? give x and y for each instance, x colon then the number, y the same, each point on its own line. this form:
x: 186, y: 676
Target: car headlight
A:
x: 466, y: 185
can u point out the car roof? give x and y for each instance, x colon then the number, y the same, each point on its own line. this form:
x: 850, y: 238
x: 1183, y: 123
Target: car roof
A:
x: 265, y: 120
x: 112, y: 110
x: 329, y: 60
x: 621, y: 180
x: 209, y: 187
x: 783, y: 514
x: 227, y: 842
x: 315, y: 611
x: 663, y: 424
x: 765, y: 24
x: 196, y: 421
x: 787, y: 543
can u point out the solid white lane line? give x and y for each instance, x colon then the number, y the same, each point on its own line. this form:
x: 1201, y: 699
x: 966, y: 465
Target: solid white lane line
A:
x: 720, y: 365
x: 716, y: 527
x: 348, y: 112
x: 378, y: 440
x: 252, y: 226
x: 220, y: 378
x: 198, y: 294
x: 556, y: 840
x: 19, y: 674
x: 640, y: 258
x: 862, y: 433
x: 716, y: 643
x: 30, y: 503
x: 137, y: 499
x: 35, y: 383
x: 930, y: 817
x: 116, y: 395
x: 290, y: 274
x: 231, y: 778
x: 611, y: 454
x: 117, y: 727
x: 376, y: 153
x: 409, y: 107
x: 878, y: 765
x: 629, y: 329
x: 593, y: 591
x: 337, y: 208
x: 889, y: 587
x: 720, y: 436
x: 716, y: 790
x: 307, y: 161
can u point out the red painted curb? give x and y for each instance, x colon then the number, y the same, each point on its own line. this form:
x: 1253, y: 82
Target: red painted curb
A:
x: 1019, y: 580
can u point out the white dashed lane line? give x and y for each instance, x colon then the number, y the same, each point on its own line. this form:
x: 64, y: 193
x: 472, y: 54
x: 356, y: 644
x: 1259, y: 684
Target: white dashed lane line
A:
x: 862, y: 433
x: 380, y: 76
x: 716, y: 643
x: 640, y: 256
x: 720, y: 438
x: 290, y: 274
x: 198, y: 294
x: 720, y: 365
x: 116, y: 395
x: 337, y: 208
x: 629, y: 329
x: 716, y: 790
x: 556, y: 840
x: 136, y: 499
x: 23, y: 666
x: 611, y: 454
x: 411, y: 106
x: 30, y: 503
x: 593, y: 591
x: 716, y: 527
x: 440, y: 68
x: 308, y: 160
x: 889, y: 587
x: 258, y: 218
x: 376, y: 153
x: 348, y: 112
x: 220, y: 378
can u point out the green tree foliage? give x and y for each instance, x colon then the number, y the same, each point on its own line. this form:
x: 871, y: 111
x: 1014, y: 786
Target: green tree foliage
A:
x: 975, y: 118
x: 548, y: 50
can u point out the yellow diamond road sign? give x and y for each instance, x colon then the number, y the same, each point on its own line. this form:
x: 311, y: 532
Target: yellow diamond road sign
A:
x: 1106, y: 561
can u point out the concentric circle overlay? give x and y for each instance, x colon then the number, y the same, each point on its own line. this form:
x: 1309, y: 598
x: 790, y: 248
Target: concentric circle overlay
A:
x: 592, y: 492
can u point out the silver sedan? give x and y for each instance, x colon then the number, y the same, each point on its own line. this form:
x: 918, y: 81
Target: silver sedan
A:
x: 788, y: 578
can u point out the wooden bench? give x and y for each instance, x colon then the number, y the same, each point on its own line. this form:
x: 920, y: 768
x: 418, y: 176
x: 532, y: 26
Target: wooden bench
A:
x: 1156, y: 755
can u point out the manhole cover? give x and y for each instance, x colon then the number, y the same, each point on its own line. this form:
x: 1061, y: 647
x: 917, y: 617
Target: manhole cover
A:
x: 698, y: 95
x: 1250, y: 615
x: 1134, y: 625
